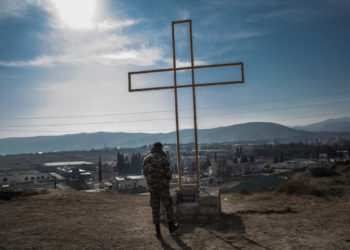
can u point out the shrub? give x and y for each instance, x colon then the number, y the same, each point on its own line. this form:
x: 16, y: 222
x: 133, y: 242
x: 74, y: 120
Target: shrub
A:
x: 244, y: 191
x: 299, y: 184
x: 322, y: 172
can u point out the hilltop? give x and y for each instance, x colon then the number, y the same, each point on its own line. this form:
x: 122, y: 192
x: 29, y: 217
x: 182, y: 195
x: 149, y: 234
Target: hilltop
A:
x: 331, y: 125
x: 277, y: 220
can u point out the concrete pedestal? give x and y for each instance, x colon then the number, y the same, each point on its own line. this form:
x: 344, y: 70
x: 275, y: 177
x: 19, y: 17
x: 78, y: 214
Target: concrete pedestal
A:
x: 194, y: 205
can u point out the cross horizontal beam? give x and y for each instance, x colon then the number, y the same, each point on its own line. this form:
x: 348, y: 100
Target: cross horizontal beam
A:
x: 186, y: 68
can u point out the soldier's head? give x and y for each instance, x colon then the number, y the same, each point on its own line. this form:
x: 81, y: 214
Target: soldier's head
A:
x: 157, y: 145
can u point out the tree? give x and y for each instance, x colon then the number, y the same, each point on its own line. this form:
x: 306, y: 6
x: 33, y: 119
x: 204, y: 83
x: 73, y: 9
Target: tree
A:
x: 244, y: 158
x: 127, y: 165
x: 281, y: 157
x: 121, y: 166
x: 136, y: 164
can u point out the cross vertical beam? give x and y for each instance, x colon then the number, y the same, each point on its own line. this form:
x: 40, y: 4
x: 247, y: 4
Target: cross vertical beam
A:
x: 194, y: 110
x: 176, y: 108
x: 194, y: 104
x: 193, y: 85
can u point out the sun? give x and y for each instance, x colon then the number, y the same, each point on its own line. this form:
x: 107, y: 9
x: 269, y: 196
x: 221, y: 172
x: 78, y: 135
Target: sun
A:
x: 76, y: 14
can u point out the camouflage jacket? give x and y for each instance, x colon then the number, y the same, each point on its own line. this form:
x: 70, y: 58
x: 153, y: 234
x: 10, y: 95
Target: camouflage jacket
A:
x: 156, y: 170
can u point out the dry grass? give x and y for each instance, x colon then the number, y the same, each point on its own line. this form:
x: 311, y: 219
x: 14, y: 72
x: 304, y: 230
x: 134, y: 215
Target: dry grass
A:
x: 276, y: 220
x: 319, y: 181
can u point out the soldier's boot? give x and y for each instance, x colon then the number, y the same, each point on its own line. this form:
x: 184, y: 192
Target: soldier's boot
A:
x: 173, y: 227
x: 158, y: 234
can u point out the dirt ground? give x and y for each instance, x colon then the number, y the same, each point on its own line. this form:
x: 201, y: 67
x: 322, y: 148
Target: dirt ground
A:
x: 81, y: 220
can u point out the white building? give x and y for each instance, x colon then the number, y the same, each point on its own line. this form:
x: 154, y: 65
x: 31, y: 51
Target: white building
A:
x: 21, y: 177
x: 132, y: 184
x: 52, y: 166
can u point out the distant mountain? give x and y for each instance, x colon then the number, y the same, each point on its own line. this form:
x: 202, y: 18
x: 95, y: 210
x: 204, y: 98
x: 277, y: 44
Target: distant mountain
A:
x: 331, y: 125
x: 253, y: 131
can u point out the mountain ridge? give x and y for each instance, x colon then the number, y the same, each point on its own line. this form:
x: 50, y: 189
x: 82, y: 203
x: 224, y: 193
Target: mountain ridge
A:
x: 252, y: 131
x: 341, y: 124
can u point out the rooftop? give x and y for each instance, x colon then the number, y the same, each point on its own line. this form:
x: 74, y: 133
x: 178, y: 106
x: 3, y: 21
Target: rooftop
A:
x: 67, y: 163
x: 135, y: 177
x: 129, y: 177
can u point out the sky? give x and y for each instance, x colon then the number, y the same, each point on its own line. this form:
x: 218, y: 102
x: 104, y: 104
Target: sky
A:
x: 64, y: 63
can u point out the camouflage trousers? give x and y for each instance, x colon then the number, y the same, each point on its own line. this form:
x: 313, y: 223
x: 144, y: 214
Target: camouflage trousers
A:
x: 161, y: 196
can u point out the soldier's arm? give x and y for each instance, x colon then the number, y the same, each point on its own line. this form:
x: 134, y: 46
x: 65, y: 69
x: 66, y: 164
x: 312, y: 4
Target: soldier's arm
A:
x: 167, y: 170
x: 145, y: 167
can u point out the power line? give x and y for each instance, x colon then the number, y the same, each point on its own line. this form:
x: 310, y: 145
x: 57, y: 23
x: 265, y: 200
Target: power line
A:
x: 79, y: 131
x: 170, y: 110
x: 167, y: 131
x: 164, y: 119
x: 85, y: 116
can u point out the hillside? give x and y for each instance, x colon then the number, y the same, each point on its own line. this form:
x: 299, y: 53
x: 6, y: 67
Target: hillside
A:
x: 81, y: 220
x: 254, y: 131
x: 330, y: 125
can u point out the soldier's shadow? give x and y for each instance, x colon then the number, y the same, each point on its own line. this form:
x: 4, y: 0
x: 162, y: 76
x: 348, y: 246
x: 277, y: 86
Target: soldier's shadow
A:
x: 182, y: 245
x: 229, y: 222
x: 232, y: 223
x: 226, y: 223
x: 165, y: 245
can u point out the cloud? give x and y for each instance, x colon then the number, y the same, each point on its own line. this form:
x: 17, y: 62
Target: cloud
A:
x: 40, y: 61
x: 247, y: 34
x: 92, y: 91
x: 83, y: 69
x: 67, y: 15
x: 181, y: 63
x: 140, y: 57
x: 12, y: 8
x: 19, y: 8
x: 108, y: 25
x: 95, y: 38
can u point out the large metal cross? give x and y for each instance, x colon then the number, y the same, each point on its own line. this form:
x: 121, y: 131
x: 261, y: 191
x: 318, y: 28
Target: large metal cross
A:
x: 174, y: 69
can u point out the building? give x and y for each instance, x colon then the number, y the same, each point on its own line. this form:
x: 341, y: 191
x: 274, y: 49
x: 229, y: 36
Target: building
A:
x: 75, y: 177
x: 108, y: 167
x: 52, y: 166
x: 107, y: 185
x: 25, y: 179
x: 130, y: 184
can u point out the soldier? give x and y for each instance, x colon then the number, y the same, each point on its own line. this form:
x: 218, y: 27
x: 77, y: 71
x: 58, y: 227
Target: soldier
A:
x: 158, y: 175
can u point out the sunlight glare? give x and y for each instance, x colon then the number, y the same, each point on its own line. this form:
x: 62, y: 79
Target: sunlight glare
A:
x: 76, y: 14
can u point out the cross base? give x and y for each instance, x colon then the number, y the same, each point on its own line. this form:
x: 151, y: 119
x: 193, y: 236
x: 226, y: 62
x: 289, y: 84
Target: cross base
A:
x: 196, y: 204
